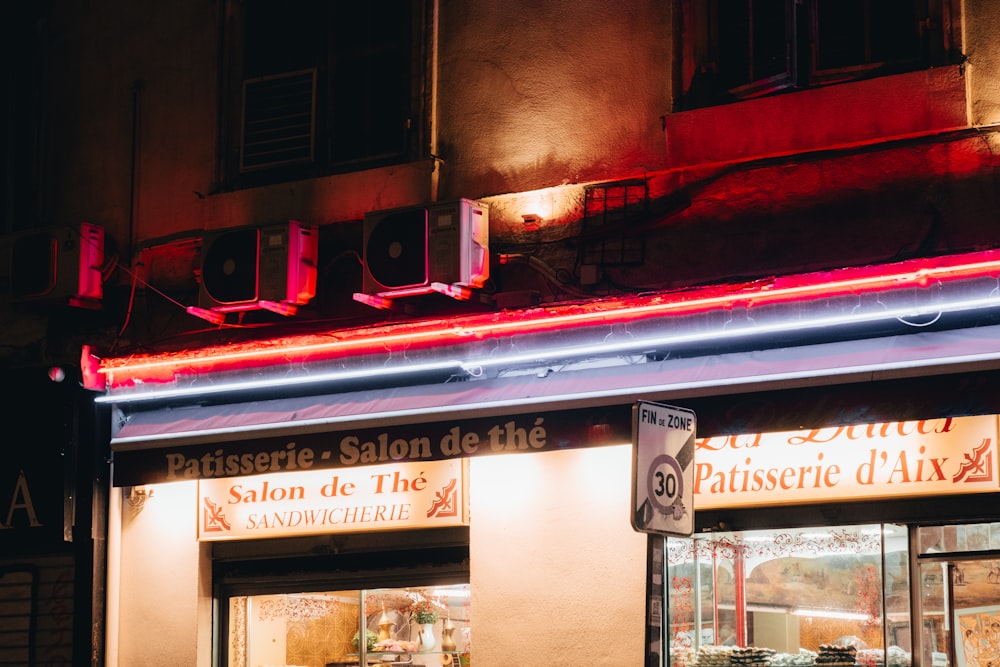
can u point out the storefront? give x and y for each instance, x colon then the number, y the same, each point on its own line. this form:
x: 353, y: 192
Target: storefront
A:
x: 844, y: 590
x: 499, y: 541
x: 262, y: 529
x: 53, y: 491
x: 280, y: 567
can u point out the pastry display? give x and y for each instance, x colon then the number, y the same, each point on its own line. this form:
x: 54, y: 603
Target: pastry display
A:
x: 832, y: 655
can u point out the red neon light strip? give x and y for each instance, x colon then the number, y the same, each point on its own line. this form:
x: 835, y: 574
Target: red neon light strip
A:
x: 442, y: 333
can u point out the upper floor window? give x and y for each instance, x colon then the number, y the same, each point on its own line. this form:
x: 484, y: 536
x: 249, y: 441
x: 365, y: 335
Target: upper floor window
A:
x: 20, y: 87
x: 738, y: 49
x: 321, y: 86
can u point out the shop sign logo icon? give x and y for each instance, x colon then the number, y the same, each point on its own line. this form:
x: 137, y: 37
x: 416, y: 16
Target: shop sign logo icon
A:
x: 213, y: 518
x: 978, y: 466
x: 445, y: 501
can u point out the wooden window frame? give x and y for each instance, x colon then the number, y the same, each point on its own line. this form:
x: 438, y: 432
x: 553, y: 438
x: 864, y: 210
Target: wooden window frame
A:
x: 237, y: 169
x: 704, y: 72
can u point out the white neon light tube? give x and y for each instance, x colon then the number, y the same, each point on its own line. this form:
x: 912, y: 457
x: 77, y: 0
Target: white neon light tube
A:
x: 597, y: 348
x: 585, y: 396
x: 283, y: 382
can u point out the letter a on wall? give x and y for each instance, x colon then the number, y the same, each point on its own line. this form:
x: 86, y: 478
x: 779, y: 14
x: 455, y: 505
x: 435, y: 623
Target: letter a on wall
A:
x: 663, y: 469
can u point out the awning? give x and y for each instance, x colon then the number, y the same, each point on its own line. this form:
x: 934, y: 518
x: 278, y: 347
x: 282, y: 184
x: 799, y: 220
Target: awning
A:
x: 867, y: 360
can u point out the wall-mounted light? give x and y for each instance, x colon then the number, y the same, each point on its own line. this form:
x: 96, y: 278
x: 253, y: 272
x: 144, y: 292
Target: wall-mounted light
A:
x: 532, y: 221
x: 137, y: 496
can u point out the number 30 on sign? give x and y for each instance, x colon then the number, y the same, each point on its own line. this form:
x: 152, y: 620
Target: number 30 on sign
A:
x: 663, y: 469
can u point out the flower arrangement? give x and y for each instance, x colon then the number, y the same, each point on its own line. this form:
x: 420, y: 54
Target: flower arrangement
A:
x: 423, y: 611
x: 370, y: 639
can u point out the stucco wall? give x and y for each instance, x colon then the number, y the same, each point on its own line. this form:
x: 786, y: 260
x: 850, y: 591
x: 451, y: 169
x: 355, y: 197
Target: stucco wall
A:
x: 533, y: 94
x: 161, y: 603
x: 558, y: 575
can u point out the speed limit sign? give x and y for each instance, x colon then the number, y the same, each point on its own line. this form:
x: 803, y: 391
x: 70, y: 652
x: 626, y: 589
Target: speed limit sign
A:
x: 663, y: 469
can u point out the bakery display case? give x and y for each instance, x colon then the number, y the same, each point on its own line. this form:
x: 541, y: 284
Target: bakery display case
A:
x: 802, y: 597
x: 877, y: 595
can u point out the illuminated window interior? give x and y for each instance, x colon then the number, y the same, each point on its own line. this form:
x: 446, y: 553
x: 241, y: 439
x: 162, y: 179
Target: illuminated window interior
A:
x: 413, y: 626
x: 837, y: 595
x: 801, y: 596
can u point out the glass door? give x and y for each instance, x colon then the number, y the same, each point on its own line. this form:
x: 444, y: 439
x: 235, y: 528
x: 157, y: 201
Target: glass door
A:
x: 961, y: 611
x: 959, y: 570
x: 976, y: 609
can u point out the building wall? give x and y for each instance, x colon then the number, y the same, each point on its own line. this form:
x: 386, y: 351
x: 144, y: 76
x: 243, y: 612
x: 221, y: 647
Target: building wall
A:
x: 538, y: 94
x: 557, y: 571
x: 558, y: 574
x: 159, y: 598
x: 530, y: 102
x: 530, y: 95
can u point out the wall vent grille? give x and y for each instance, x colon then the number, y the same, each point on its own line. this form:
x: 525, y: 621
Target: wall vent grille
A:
x: 279, y: 120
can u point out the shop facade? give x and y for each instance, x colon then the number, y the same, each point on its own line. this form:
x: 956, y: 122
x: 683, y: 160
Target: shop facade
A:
x: 897, y: 578
x: 53, y: 505
x: 495, y: 565
x: 275, y: 528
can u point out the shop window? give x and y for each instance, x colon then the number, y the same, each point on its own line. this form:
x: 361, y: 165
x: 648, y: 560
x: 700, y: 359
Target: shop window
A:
x: 410, y: 625
x: 282, y: 605
x: 20, y: 87
x: 789, y: 597
x: 319, y: 87
x: 739, y: 49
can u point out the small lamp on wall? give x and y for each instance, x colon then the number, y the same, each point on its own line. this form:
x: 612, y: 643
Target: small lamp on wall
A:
x: 137, y: 497
x: 532, y: 221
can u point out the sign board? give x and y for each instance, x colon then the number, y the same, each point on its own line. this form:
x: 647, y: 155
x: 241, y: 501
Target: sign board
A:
x: 907, y: 459
x: 663, y: 469
x: 395, y: 496
x: 348, y: 447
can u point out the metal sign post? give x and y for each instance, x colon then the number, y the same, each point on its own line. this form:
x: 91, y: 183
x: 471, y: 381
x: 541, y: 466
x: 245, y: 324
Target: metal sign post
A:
x: 663, y: 469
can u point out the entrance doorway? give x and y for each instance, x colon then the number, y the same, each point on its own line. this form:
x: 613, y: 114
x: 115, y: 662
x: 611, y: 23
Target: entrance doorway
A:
x: 960, y: 607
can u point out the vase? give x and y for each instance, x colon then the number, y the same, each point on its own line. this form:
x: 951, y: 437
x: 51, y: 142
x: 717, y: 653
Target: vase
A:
x: 425, y: 637
x: 385, y: 627
x: 447, y: 637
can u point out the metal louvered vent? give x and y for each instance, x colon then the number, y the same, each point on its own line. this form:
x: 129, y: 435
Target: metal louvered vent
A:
x: 279, y: 120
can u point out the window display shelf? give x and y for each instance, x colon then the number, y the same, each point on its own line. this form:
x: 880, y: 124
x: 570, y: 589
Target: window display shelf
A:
x: 406, y: 657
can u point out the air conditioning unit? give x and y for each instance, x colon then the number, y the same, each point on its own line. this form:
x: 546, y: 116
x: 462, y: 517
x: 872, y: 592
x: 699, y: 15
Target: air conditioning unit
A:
x: 441, y: 247
x: 258, y: 268
x: 58, y: 265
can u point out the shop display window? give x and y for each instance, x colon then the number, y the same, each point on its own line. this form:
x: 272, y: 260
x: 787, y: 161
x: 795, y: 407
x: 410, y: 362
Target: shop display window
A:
x: 406, y: 626
x: 817, y: 596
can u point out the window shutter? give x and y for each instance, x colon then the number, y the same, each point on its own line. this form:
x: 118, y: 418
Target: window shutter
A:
x: 279, y: 120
